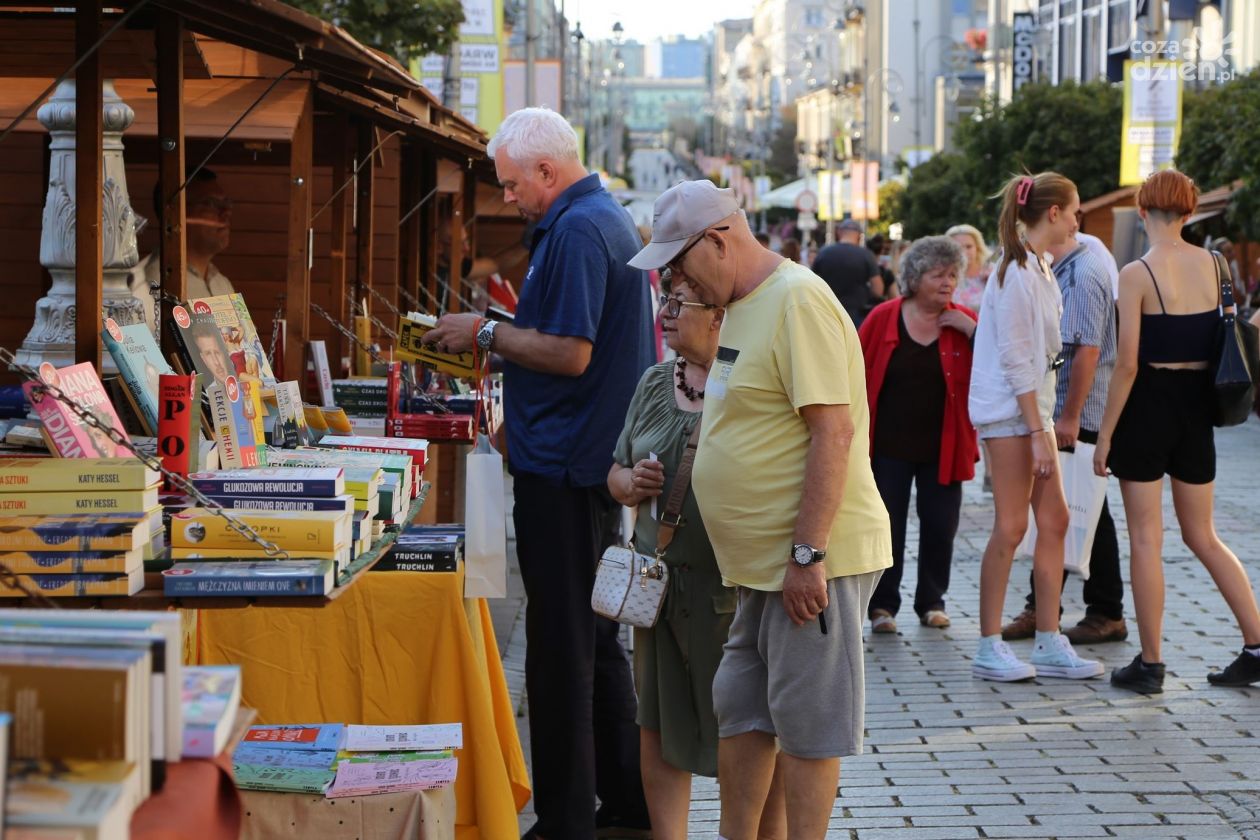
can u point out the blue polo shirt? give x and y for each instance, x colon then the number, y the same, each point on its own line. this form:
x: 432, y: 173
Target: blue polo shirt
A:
x: 564, y: 428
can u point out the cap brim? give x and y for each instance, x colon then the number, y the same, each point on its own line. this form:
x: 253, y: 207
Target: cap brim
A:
x: 656, y: 254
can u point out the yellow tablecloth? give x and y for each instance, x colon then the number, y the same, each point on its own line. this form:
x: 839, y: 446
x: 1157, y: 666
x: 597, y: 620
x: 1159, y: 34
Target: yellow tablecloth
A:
x: 396, y: 647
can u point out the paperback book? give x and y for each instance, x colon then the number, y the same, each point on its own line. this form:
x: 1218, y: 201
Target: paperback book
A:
x: 363, y: 774
x: 179, y: 424
x: 290, y: 429
x: 90, y: 474
x: 69, y: 501
x: 240, y: 336
x: 67, y: 434
x: 140, y: 363
x: 293, y: 531
x: 206, y: 578
x: 97, y: 532
x: 202, y: 346
x: 272, y: 482
x: 72, y: 562
x: 72, y: 800
x: 233, y: 430
x: 78, y: 585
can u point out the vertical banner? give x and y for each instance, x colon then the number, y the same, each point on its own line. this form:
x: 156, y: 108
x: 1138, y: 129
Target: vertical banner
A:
x: 831, y: 188
x: 482, y: 48
x: 1152, y: 119
x: 864, y: 178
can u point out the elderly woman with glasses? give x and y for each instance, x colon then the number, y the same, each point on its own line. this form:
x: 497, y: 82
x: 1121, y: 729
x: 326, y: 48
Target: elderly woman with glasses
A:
x: 918, y: 370
x: 674, y: 662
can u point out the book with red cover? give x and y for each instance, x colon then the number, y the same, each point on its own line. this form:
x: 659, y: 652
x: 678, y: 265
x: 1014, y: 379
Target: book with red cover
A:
x: 179, y: 423
x: 67, y: 435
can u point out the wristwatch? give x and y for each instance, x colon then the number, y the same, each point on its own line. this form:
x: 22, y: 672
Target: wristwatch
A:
x: 804, y: 554
x: 485, y: 335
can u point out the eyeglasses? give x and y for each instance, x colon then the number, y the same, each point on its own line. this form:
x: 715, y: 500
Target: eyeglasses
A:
x: 672, y: 306
x: 676, y: 263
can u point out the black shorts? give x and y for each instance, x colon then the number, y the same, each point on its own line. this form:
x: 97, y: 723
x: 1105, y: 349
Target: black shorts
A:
x: 1166, y: 428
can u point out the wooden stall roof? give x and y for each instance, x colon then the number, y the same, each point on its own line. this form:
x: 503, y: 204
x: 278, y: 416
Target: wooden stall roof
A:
x: 41, y: 45
x: 210, y: 106
x: 261, y: 39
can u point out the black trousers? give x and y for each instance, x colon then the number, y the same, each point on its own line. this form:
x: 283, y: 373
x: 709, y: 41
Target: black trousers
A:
x: 937, y: 506
x: 1104, y: 591
x: 583, y: 739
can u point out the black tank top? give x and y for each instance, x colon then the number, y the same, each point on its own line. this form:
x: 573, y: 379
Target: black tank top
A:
x: 1169, y: 339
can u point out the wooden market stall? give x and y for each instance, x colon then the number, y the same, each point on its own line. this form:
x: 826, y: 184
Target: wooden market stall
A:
x: 331, y: 154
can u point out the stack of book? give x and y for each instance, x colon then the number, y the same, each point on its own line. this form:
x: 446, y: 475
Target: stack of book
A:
x: 361, y: 397
x: 307, y: 511
x: 84, y: 767
x: 395, y: 485
x: 210, y: 700
x: 338, y: 760
x: 424, y: 548
x: 79, y: 526
x: 417, y: 450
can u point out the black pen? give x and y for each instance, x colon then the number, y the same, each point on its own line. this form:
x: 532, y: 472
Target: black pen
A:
x: 822, y: 623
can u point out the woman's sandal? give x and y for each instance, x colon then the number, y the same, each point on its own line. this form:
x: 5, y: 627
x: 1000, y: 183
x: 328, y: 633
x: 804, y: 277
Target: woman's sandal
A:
x: 882, y: 621
x: 935, y: 618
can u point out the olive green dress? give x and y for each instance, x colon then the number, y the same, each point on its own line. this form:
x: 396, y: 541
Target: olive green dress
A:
x: 674, y: 662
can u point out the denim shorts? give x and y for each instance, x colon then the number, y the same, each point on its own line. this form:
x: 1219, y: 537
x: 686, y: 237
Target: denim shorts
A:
x: 1015, y: 426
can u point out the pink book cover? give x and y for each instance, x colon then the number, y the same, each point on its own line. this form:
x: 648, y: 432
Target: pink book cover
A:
x: 67, y: 435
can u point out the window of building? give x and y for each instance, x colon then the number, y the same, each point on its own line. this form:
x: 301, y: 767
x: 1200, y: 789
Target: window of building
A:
x: 1091, y: 40
x: 813, y: 16
x: 1119, y: 24
x: 1069, y: 50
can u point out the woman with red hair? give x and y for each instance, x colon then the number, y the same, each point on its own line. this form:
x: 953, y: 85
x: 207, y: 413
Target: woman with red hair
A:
x: 1158, y: 422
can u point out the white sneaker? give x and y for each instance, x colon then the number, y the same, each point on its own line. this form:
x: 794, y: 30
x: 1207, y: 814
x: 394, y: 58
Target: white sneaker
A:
x: 1056, y: 658
x: 1001, y: 664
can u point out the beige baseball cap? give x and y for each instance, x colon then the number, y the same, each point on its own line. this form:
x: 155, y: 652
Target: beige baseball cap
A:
x: 682, y: 212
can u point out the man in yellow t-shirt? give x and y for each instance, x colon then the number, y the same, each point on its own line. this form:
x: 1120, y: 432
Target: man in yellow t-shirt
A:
x: 783, y: 480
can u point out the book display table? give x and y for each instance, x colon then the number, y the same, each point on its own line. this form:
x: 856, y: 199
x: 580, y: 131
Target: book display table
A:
x: 395, y: 647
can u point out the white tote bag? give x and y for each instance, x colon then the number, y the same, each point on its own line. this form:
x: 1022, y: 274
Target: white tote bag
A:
x: 485, y: 523
x: 1085, y: 493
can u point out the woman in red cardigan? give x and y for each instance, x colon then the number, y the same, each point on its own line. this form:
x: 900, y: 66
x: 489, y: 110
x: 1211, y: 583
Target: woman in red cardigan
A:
x: 918, y: 372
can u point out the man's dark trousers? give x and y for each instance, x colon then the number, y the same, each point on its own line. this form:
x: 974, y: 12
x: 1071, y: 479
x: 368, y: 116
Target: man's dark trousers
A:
x: 583, y: 739
x: 1104, y: 591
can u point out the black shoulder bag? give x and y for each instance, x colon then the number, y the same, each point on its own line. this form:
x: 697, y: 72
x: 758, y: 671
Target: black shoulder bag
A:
x: 1237, y: 364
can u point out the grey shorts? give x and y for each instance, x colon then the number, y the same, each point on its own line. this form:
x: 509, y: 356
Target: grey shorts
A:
x: 796, y: 683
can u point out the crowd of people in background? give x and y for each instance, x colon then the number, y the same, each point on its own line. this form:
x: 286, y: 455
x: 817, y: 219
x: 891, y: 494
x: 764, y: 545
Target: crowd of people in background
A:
x: 807, y: 397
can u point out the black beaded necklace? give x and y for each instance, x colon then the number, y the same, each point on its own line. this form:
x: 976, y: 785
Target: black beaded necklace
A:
x: 689, y: 392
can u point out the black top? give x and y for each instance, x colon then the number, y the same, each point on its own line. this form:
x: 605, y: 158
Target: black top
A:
x: 911, y: 406
x: 1167, y: 338
x: 848, y: 270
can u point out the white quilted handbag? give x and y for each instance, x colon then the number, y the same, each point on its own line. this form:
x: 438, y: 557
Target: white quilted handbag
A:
x: 629, y: 587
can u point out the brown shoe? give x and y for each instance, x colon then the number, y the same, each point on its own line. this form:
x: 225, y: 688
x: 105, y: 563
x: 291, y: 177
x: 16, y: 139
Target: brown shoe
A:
x: 1023, y: 626
x: 935, y: 618
x: 882, y: 621
x: 1095, y: 629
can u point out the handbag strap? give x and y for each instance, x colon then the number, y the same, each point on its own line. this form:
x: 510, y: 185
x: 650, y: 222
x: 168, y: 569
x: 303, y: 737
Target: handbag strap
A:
x: 1226, y: 279
x: 671, y: 519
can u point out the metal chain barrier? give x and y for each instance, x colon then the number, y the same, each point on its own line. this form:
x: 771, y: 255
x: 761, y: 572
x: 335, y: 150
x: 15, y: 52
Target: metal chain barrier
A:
x: 336, y: 325
x: 43, y: 388
x: 11, y: 579
x: 376, y: 322
x: 275, y: 331
x: 384, y: 300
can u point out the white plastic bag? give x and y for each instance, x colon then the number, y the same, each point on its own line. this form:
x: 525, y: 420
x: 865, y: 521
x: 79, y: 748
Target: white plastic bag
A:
x: 1085, y: 493
x: 485, y: 523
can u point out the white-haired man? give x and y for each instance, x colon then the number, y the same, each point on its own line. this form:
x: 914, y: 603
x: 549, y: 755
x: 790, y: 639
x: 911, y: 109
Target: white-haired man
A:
x: 581, y: 339
x: 784, y: 483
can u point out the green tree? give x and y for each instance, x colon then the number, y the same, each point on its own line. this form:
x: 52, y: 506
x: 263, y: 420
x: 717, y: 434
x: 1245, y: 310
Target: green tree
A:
x: 1069, y: 128
x: 781, y: 164
x: 891, y: 196
x: 403, y: 28
x: 1220, y: 144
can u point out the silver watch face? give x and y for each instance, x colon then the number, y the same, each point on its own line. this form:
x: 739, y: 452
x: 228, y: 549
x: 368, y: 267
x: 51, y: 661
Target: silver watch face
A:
x: 802, y: 555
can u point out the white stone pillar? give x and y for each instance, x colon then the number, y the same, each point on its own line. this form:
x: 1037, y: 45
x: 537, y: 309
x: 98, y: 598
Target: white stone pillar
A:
x: 51, y: 338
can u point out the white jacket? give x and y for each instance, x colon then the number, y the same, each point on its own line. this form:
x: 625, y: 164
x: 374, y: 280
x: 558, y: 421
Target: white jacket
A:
x: 1017, y: 339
